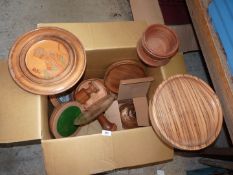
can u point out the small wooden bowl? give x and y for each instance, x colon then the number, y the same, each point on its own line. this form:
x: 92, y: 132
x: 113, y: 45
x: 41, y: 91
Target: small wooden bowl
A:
x: 160, y: 42
x: 148, y: 59
x: 122, y: 70
x: 62, y: 119
x: 186, y: 113
x: 47, y: 61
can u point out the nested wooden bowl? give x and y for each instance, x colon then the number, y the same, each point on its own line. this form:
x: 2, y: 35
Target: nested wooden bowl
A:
x: 62, y: 119
x: 122, y: 70
x: 157, y: 45
x: 160, y: 41
x: 186, y: 113
x: 47, y: 60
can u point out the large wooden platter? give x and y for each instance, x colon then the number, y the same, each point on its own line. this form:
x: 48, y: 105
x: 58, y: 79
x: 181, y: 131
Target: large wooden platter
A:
x: 47, y: 60
x: 186, y: 113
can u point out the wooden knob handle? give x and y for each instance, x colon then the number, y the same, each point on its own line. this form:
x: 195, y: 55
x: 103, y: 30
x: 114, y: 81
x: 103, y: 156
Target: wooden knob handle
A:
x: 85, y: 93
x: 106, y: 124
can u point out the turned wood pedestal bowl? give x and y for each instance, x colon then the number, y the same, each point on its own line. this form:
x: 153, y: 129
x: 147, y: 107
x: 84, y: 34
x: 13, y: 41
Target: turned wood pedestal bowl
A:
x: 186, y: 113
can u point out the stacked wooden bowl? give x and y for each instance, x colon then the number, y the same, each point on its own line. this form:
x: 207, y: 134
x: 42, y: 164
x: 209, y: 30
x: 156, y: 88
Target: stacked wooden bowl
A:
x: 157, y: 45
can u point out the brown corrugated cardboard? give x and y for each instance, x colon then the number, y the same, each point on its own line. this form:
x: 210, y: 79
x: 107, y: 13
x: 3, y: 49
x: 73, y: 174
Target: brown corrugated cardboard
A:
x: 97, y: 153
x: 18, y: 124
x: 105, y: 43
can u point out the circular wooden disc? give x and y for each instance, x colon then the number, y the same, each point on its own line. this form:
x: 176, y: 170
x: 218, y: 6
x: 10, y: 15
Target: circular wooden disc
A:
x: 186, y: 113
x: 95, y: 97
x: 62, y: 119
x: 47, y: 60
x: 122, y: 70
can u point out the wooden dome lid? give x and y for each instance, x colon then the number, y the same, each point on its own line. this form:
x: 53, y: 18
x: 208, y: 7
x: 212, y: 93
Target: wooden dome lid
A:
x: 186, y: 113
x: 47, y: 60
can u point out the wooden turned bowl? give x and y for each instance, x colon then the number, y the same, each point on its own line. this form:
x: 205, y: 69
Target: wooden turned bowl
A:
x: 62, y: 119
x: 47, y: 61
x: 186, y: 113
x: 122, y: 70
x: 148, y: 59
x: 160, y: 42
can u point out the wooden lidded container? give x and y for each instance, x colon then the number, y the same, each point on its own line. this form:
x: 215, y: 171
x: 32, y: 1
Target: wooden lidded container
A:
x: 186, y: 113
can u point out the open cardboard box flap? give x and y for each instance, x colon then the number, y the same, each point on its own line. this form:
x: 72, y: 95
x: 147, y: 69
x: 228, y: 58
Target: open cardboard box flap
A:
x: 20, y: 112
x: 23, y: 116
x: 123, y: 149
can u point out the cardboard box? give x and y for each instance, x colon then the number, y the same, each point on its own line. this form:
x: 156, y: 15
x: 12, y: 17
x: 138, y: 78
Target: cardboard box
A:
x: 23, y: 116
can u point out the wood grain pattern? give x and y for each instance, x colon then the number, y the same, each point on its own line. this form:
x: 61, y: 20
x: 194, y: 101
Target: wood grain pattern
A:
x: 122, y: 70
x: 214, y: 57
x: 97, y: 91
x: 186, y: 113
x: 47, y: 60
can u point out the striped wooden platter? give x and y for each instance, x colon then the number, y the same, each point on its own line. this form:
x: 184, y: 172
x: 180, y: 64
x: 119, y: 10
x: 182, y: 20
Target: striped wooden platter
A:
x: 47, y: 60
x: 186, y: 113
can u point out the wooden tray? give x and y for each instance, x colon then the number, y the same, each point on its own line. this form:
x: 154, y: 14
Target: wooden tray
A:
x: 47, y: 60
x: 62, y: 119
x: 122, y: 70
x: 186, y: 113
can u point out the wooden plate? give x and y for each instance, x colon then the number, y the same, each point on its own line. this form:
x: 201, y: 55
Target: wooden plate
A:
x: 47, y: 60
x: 62, y: 119
x: 122, y: 70
x: 186, y: 113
